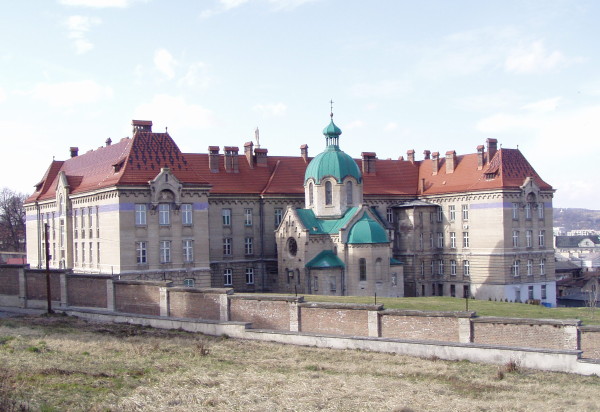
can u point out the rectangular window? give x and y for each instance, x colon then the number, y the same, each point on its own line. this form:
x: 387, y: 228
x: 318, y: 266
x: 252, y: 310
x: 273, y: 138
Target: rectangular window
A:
x: 515, y: 211
x: 544, y: 296
x: 76, y: 257
x: 440, y: 240
x: 332, y: 284
x: 529, y: 238
x: 542, y: 238
x: 97, y: 222
x: 420, y: 241
x: 75, y: 213
x: 453, y: 291
x: 228, y: 277
x: 432, y: 267
x: 82, y: 254
x: 164, y: 214
x: 453, y: 267
x: 227, y: 246
x: 452, y: 213
x: 421, y: 218
x: 140, y: 214
x: 316, y: 283
x: 226, y: 216
x: 90, y: 219
x: 187, y: 214
x: 466, y: 268
x: 248, y: 246
x: 188, y: 250
x: 165, y: 251
x: 440, y: 267
x: 278, y: 216
x: 541, y: 210
x: 390, y: 214
x: 542, y: 267
x: 422, y: 268
x: 529, y: 267
x: 431, y: 240
x: 530, y: 292
x: 190, y: 283
x: 362, y: 268
x: 140, y: 251
x: 528, y: 211
x: 247, y: 217
x: 440, y: 214
x: 431, y: 217
x: 91, y: 248
x: 515, y: 238
x: 82, y: 227
x: 465, y: 239
x: 515, y: 268
x: 250, y: 276
x: 98, y: 253
x: 453, y: 240
x: 465, y: 212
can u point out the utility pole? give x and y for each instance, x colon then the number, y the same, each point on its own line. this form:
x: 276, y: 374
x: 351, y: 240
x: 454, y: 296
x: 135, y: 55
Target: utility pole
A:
x: 48, y: 257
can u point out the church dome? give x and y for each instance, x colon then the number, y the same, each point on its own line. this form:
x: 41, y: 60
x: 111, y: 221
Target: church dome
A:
x: 332, y: 162
x: 367, y: 230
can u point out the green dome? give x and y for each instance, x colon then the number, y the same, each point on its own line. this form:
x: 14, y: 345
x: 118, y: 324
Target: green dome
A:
x: 332, y: 130
x: 367, y: 230
x: 332, y: 162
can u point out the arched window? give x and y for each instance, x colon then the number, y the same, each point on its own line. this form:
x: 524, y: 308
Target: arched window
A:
x: 349, y: 194
x: 328, y: 194
x: 362, y: 269
x: 310, y: 194
x: 378, y: 269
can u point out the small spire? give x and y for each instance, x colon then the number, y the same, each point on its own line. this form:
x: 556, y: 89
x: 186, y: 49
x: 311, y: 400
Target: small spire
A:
x: 331, y: 106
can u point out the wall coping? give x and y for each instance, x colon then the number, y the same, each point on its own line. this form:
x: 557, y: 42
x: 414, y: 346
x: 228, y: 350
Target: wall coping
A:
x: 348, y: 306
x: 89, y: 276
x: 297, y: 299
x: 160, y: 283
x: 207, y: 291
x: 43, y: 271
x: 437, y: 314
x: 589, y: 328
x: 527, y: 321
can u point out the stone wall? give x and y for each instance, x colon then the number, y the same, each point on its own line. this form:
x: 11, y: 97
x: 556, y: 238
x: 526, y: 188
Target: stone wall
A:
x: 9, y: 281
x: 87, y: 291
x: 196, y: 303
x: 422, y: 325
x: 35, y: 285
x: 336, y: 319
x: 141, y: 297
x: 264, y: 312
x: 590, y: 341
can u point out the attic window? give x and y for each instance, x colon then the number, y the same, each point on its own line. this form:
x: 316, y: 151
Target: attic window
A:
x: 117, y: 166
x: 490, y: 176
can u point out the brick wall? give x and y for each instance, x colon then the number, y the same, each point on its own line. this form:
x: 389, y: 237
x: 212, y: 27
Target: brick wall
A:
x: 36, y: 285
x: 419, y: 325
x: 590, y: 341
x: 137, y: 297
x: 194, y: 303
x: 86, y: 291
x: 263, y: 312
x: 335, y: 319
x: 9, y: 281
x: 530, y: 333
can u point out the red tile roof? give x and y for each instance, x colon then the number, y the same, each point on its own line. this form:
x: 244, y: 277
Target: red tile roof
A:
x: 138, y: 160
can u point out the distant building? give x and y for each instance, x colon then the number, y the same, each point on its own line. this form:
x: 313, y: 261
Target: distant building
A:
x: 474, y: 224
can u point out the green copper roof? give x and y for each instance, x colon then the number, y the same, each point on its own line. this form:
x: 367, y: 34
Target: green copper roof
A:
x: 332, y: 130
x: 325, y: 259
x: 395, y: 262
x: 332, y: 162
x: 317, y: 226
x: 367, y: 230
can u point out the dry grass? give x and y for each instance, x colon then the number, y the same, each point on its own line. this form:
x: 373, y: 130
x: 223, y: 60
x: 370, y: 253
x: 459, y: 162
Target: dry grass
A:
x: 60, y: 363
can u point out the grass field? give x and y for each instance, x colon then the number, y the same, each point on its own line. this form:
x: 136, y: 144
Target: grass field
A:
x: 59, y: 363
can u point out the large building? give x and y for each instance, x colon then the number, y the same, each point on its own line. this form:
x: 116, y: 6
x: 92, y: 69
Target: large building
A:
x: 477, y: 223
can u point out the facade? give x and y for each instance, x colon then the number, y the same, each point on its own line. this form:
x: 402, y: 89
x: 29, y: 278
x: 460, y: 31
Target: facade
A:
x: 476, y: 223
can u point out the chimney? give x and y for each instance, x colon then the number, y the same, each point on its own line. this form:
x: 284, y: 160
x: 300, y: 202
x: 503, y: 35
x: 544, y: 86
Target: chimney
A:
x: 304, y: 152
x: 368, y: 162
x: 450, y: 161
x: 422, y: 185
x: 74, y: 151
x: 410, y: 155
x: 231, y: 159
x: 213, y: 158
x: 261, y: 157
x: 480, y: 159
x: 248, y: 152
x: 427, y: 154
x: 492, y: 146
x: 108, y: 141
x: 435, y: 158
x: 142, y: 126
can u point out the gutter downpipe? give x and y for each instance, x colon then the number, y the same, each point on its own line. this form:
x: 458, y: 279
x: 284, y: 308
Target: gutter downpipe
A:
x: 261, y: 212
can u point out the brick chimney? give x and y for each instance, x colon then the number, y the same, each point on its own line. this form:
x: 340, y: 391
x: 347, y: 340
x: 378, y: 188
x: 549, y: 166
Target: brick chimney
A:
x: 248, y: 146
x: 261, y: 157
x: 427, y: 154
x: 304, y: 152
x: 213, y: 158
x: 231, y: 159
x: 368, y: 162
x: 410, y: 155
x: 492, y: 146
x: 450, y: 161
x: 480, y: 158
x: 74, y: 151
x: 435, y: 162
x: 108, y: 141
x: 142, y: 126
x: 421, y: 185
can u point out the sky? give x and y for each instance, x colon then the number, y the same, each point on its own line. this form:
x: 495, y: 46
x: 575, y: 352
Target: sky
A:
x: 422, y: 75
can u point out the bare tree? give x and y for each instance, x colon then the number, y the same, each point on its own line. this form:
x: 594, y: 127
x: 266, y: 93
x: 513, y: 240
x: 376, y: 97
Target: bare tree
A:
x: 593, y: 293
x: 12, y: 221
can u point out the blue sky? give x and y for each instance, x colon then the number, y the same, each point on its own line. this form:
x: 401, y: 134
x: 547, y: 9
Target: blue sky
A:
x: 435, y: 75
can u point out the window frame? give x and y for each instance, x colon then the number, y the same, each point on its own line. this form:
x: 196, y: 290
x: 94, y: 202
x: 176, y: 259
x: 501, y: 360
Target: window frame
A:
x: 227, y: 277
x: 226, y: 216
x: 165, y: 251
x: 188, y: 250
x: 227, y: 246
x: 451, y: 213
x: 249, y: 276
x: 362, y: 269
x: 465, y: 212
x: 187, y: 214
x: 248, y: 245
x: 248, y: 215
x: 164, y: 214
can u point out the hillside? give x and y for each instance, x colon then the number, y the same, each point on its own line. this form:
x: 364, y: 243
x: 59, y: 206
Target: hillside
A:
x: 571, y: 218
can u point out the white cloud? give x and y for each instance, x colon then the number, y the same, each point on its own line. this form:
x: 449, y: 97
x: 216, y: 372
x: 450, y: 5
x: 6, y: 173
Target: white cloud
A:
x: 175, y: 111
x: 196, y: 76
x: 165, y: 63
x: 78, y: 27
x: 533, y: 58
x: 390, y: 127
x: 276, y: 5
x: 501, y: 100
x: 69, y: 94
x: 97, y: 3
x: 355, y: 124
x: 542, y: 106
x: 275, y: 109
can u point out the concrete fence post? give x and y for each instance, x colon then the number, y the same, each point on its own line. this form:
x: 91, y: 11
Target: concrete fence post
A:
x: 224, y: 307
x: 164, y: 301
x: 22, y: 288
x: 465, y: 330
x: 64, y: 299
x: 110, y: 295
x: 374, y: 324
x: 572, y: 337
x: 294, y: 317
